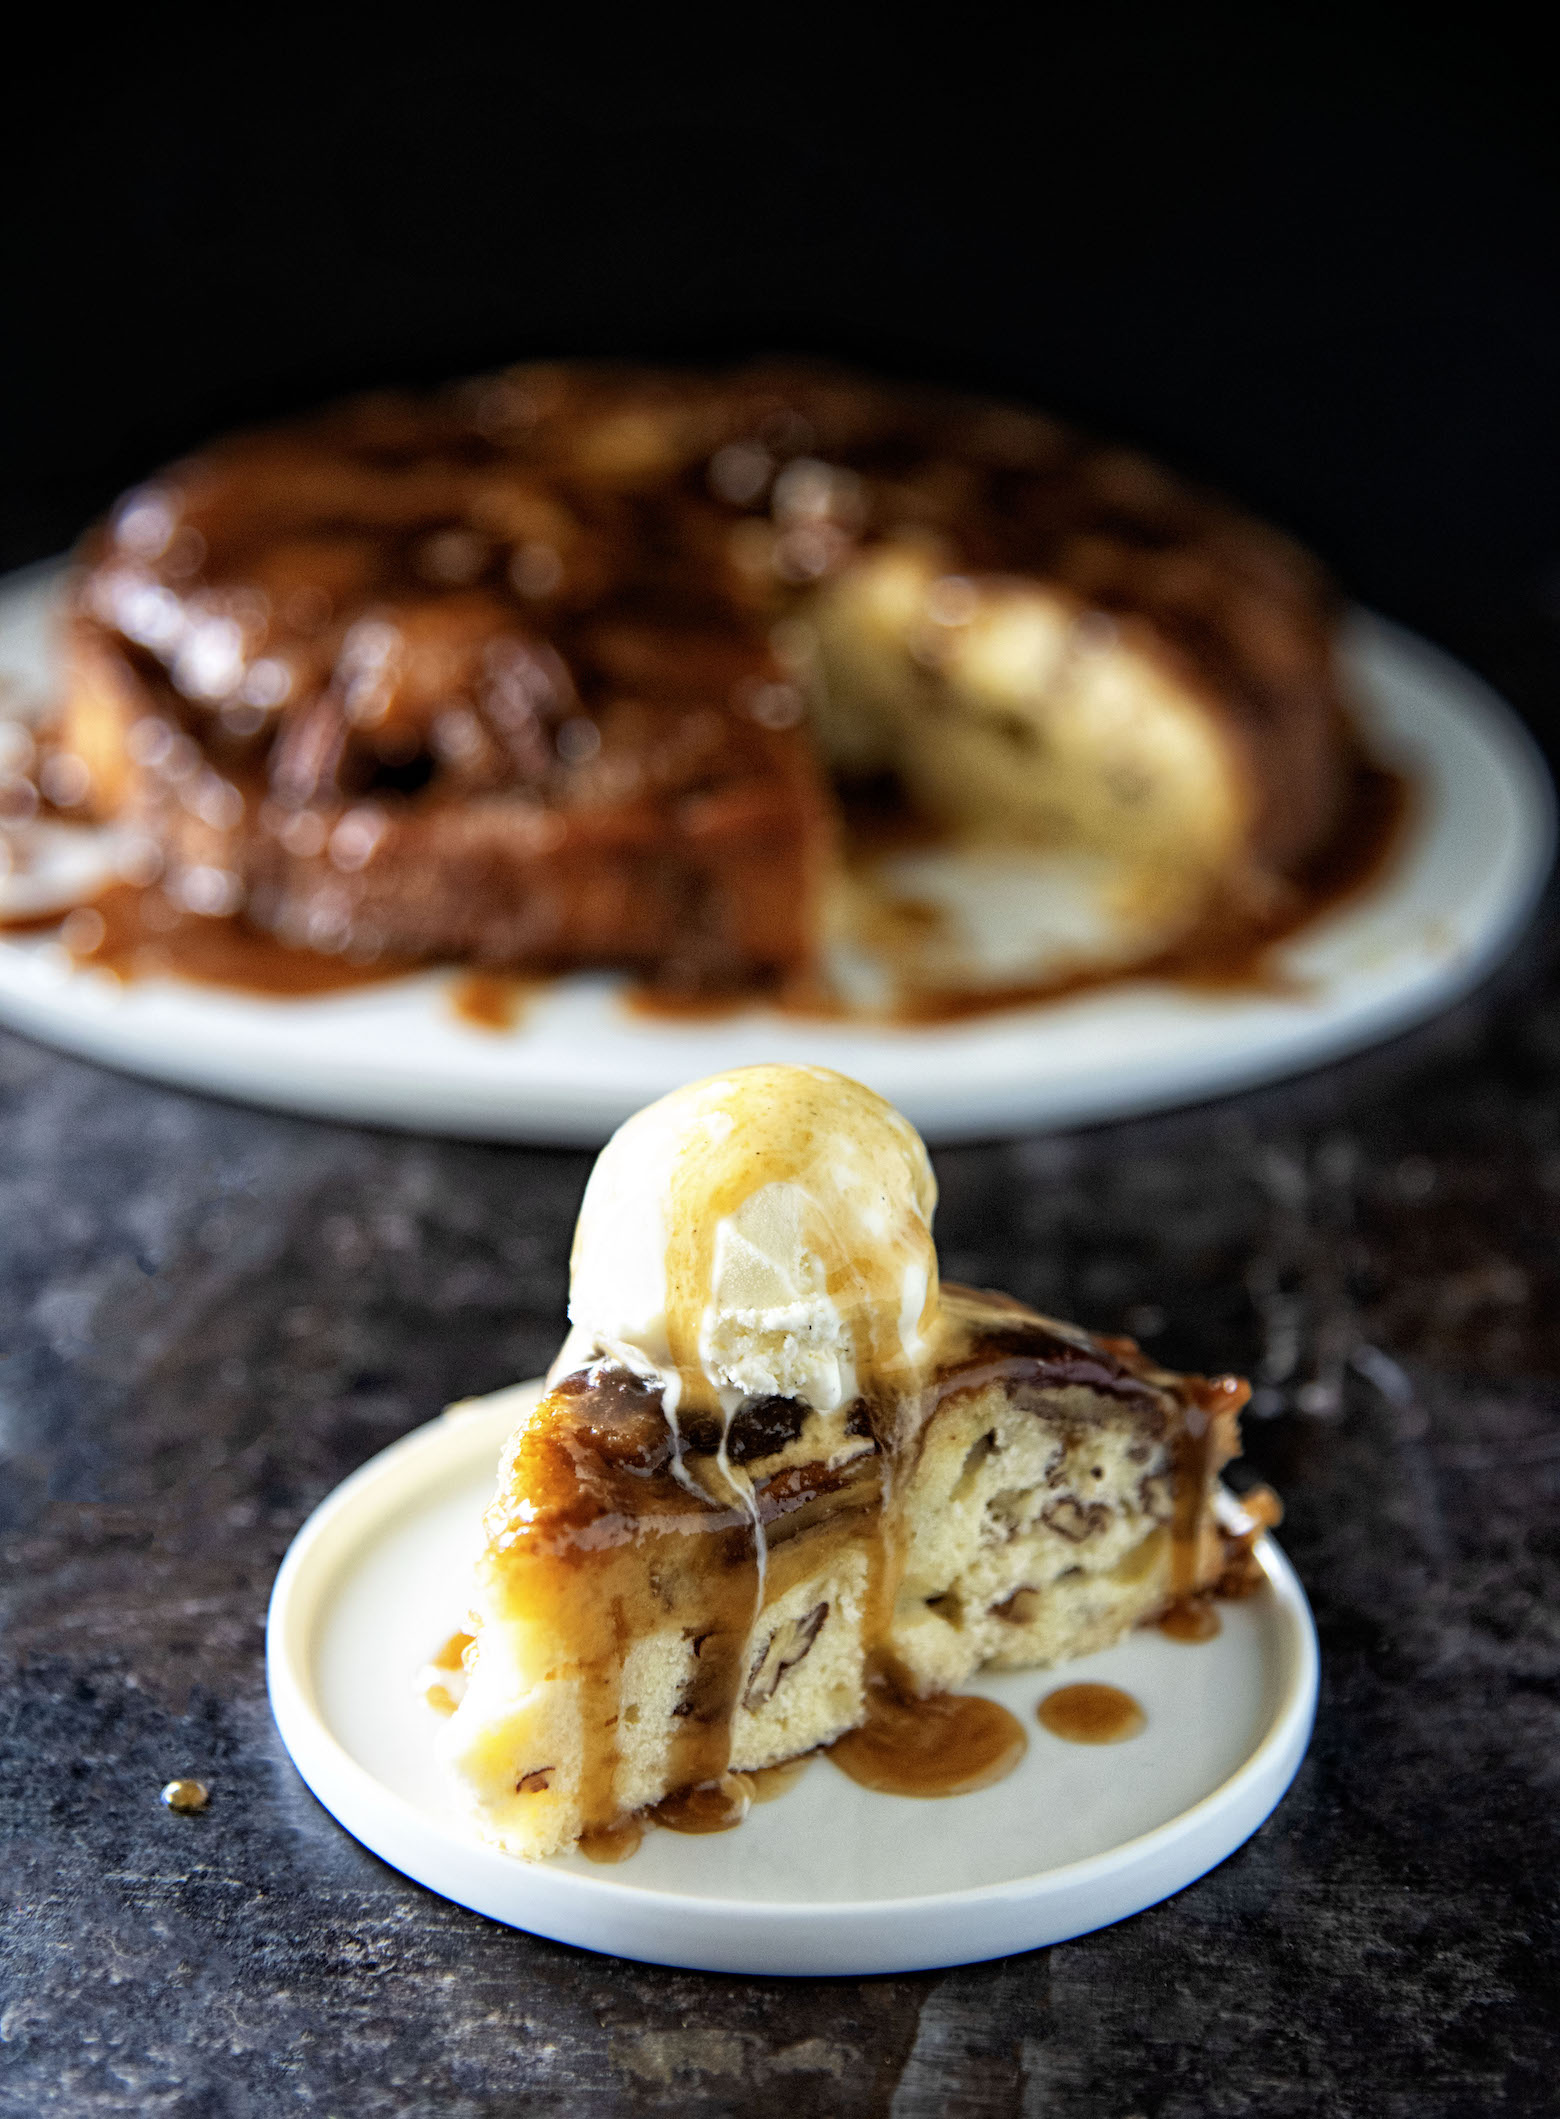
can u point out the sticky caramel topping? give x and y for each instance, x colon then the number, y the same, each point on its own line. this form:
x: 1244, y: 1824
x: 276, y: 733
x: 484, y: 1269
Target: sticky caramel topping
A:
x: 987, y: 1337
x: 769, y: 1783
x: 613, y: 1521
x: 552, y: 546
x: 489, y: 1000
x: 358, y: 674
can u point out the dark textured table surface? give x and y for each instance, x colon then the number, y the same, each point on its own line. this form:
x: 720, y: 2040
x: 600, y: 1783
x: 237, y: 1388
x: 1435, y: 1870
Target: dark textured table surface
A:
x: 211, y: 1314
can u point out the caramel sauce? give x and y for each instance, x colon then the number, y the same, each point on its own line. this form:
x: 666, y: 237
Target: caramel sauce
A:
x: 712, y: 1806
x: 1192, y: 1619
x: 1206, y: 1438
x: 186, y: 1796
x: 717, y: 1807
x: 1092, y: 1714
x: 145, y: 935
x: 769, y: 1783
x: 990, y: 1338
x: 451, y: 1656
x: 149, y: 937
x: 489, y: 1000
x: 944, y: 1744
x: 804, y: 996
x: 665, y: 1004
x: 613, y: 1843
x: 1263, y: 1506
x: 614, y: 1522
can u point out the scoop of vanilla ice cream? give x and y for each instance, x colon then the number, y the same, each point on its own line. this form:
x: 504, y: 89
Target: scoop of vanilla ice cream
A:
x: 766, y: 1232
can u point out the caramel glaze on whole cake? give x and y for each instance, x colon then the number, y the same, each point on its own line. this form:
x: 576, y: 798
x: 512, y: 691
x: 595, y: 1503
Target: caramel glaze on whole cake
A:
x: 559, y: 667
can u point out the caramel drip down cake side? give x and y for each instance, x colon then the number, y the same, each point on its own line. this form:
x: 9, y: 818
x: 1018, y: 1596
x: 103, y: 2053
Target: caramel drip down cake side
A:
x: 1041, y: 1493
x: 625, y: 1648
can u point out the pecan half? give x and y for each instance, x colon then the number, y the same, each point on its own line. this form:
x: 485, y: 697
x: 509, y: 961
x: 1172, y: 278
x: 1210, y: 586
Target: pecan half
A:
x: 782, y: 1652
x: 1069, y: 1519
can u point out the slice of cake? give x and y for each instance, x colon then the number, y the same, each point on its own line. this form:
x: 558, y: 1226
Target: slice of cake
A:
x: 781, y: 1471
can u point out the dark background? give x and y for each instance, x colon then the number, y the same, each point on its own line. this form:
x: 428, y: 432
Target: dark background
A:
x: 1314, y: 262
x: 1311, y: 260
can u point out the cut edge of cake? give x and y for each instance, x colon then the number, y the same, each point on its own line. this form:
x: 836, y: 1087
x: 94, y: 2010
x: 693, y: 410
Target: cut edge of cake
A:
x: 1040, y: 1494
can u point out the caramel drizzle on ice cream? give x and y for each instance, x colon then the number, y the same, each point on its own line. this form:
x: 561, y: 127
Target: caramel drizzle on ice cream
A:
x: 861, y: 1181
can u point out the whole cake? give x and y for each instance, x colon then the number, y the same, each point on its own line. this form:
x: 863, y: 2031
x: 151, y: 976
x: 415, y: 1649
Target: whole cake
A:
x: 568, y: 666
x: 785, y: 1485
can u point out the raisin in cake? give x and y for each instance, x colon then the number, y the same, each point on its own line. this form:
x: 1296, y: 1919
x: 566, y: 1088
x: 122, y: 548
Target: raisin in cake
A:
x: 779, y: 1461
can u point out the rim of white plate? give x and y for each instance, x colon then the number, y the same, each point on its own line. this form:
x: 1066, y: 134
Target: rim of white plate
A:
x: 1443, y: 913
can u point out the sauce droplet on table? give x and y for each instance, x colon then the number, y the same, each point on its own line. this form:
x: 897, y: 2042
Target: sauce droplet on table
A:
x: 186, y: 1796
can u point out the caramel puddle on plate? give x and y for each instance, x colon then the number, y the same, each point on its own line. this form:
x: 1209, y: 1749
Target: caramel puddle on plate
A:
x: 769, y: 1783
x: 489, y: 1000
x: 1193, y: 1619
x: 714, y: 1808
x: 144, y: 934
x: 949, y: 1744
x: 136, y: 931
x: 1092, y: 1714
x: 450, y: 1657
x: 613, y: 1843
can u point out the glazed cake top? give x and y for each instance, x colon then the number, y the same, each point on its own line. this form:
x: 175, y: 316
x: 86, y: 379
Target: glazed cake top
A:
x: 465, y: 584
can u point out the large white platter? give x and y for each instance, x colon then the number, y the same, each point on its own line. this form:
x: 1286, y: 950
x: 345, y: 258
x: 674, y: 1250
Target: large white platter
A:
x: 1441, y: 915
x: 831, y: 1878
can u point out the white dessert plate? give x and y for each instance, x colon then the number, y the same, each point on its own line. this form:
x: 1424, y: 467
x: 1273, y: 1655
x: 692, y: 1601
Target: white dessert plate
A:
x: 1441, y: 913
x: 829, y: 1878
